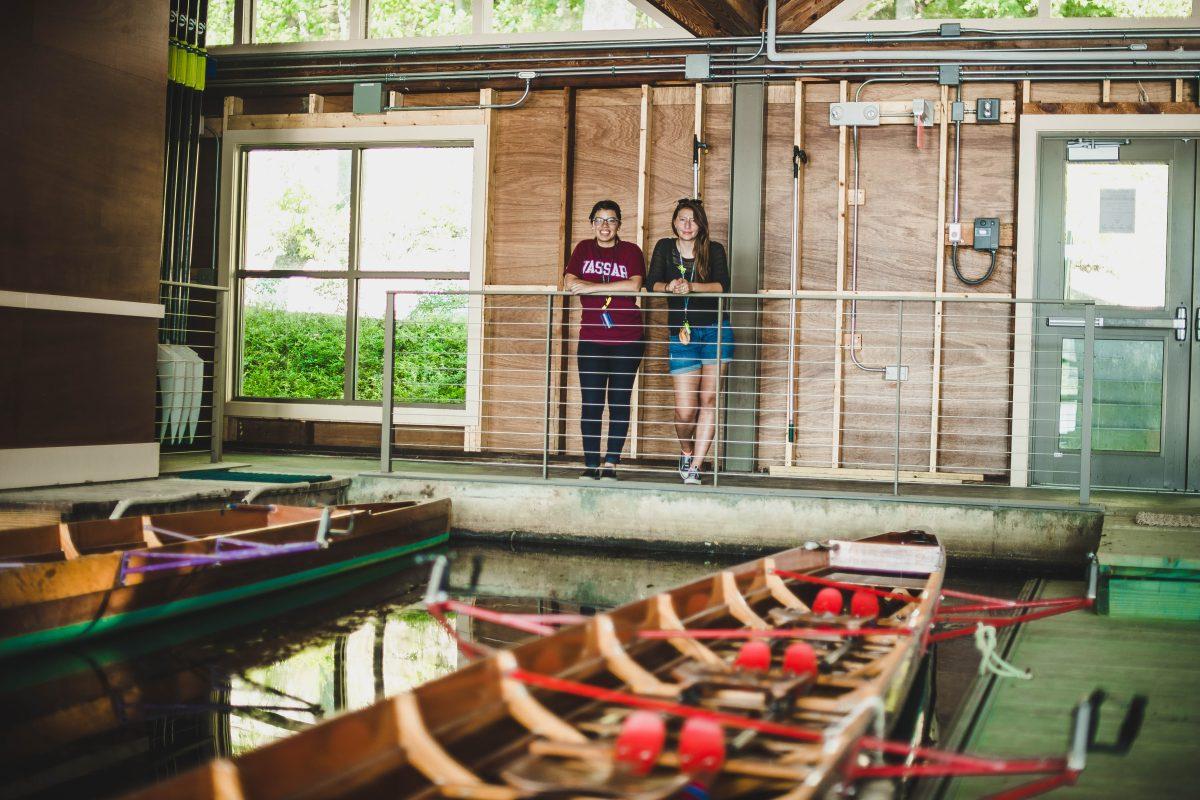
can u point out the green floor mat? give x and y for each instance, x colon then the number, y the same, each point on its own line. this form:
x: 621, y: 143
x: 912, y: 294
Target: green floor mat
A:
x: 252, y: 477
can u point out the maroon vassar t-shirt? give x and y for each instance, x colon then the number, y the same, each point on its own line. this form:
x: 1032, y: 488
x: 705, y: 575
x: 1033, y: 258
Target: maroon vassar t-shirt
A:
x: 597, y: 264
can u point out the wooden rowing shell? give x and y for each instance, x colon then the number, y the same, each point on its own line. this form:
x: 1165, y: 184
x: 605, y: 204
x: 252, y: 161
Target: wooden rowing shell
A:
x: 76, y: 581
x: 504, y: 726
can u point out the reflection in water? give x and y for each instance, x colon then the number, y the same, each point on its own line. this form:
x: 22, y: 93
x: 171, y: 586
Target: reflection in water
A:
x: 102, y: 721
x: 386, y: 654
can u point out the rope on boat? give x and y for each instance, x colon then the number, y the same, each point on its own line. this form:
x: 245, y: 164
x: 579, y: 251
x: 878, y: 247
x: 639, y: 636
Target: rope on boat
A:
x: 815, y: 632
x: 990, y: 660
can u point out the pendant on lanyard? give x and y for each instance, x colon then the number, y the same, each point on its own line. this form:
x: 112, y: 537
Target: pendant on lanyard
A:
x: 605, y: 317
x: 685, y: 331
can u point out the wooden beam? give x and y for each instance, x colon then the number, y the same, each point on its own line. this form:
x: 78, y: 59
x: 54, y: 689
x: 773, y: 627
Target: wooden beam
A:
x: 794, y: 16
x: 643, y: 199
x: 714, y: 17
x: 394, y: 119
x: 939, y: 283
x: 568, y: 213
x: 699, y: 133
x: 853, y: 474
x: 314, y: 104
x: 1109, y: 108
x: 797, y: 275
x: 840, y: 305
x: 1007, y: 234
x: 1178, y: 95
x: 473, y: 431
x: 1105, y: 90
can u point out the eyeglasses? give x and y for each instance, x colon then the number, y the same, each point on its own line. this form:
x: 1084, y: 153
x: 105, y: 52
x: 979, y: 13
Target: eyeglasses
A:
x: 599, y: 221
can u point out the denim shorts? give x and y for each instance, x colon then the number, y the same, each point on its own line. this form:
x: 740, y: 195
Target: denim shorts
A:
x: 701, y: 350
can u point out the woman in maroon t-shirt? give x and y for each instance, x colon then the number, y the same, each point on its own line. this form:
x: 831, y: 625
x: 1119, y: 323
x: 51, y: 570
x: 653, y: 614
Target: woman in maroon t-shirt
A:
x: 610, y: 335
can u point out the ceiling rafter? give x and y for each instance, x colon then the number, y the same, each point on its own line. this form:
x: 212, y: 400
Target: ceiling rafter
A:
x: 714, y: 17
x: 796, y: 15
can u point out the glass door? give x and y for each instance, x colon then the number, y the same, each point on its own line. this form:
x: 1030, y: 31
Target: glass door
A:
x: 1119, y: 232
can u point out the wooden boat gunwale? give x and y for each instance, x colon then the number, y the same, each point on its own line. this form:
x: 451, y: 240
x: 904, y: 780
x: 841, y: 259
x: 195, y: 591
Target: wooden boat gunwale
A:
x: 473, y: 708
x: 45, y: 603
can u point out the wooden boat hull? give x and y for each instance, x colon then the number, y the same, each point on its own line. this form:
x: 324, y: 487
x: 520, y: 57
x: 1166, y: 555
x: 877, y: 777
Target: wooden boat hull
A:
x: 463, y: 735
x: 58, y: 602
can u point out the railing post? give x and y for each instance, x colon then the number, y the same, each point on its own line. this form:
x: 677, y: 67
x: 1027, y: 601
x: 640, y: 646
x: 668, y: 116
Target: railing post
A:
x: 389, y: 375
x: 546, y: 424
x: 899, y: 383
x: 717, y: 409
x: 217, y: 424
x: 1087, y: 364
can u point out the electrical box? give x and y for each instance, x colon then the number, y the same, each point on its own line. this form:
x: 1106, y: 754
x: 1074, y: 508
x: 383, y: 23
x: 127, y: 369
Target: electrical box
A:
x: 958, y: 111
x: 697, y: 67
x: 368, y: 98
x: 987, y: 109
x: 949, y: 74
x: 987, y: 233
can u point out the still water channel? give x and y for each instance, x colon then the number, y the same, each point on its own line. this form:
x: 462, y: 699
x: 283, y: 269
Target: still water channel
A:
x: 101, y: 721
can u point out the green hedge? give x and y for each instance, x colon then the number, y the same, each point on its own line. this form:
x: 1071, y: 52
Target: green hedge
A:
x: 302, y: 354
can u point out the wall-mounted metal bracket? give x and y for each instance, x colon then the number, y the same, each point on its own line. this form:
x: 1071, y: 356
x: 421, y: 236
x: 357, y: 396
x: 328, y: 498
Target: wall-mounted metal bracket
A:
x: 855, y: 114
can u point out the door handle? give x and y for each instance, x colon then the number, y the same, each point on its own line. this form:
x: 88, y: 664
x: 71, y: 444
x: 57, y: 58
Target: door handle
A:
x: 1196, y: 328
x: 1178, y: 323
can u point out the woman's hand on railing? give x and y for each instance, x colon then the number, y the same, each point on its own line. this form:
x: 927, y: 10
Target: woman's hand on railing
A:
x: 679, y: 286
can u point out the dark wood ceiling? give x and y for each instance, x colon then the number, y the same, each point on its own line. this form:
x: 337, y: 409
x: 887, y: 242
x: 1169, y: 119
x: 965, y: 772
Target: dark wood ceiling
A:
x: 741, y: 17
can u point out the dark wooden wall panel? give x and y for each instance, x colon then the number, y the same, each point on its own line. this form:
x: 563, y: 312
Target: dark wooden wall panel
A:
x: 69, y: 379
x: 82, y: 210
x: 81, y: 215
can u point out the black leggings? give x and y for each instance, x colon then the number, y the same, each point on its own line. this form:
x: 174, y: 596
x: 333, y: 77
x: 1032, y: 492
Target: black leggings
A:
x: 611, y: 368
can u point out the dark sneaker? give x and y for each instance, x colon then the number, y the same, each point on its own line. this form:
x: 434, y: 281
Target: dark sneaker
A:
x: 589, y: 474
x: 685, y: 461
x: 609, y: 473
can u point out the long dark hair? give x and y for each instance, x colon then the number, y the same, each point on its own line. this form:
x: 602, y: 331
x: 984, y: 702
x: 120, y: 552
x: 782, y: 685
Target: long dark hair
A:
x: 701, y: 247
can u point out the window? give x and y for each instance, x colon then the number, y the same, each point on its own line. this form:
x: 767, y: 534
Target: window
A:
x: 326, y: 231
x: 301, y: 20
x: 295, y: 21
x: 219, y: 26
x: 948, y: 9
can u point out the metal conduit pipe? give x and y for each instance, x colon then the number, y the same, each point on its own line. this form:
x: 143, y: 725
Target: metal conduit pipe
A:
x: 996, y: 55
x: 729, y: 42
x: 854, y: 239
x: 472, y: 75
x: 520, y: 101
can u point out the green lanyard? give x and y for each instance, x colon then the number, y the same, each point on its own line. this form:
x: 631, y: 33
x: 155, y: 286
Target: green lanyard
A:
x: 683, y: 273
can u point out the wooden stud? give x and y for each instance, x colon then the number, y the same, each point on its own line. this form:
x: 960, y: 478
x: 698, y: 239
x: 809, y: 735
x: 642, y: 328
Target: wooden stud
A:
x: 840, y: 305
x: 567, y: 191
x: 939, y: 284
x: 1178, y: 94
x: 473, y: 433
x: 314, y: 104
x: 643, y: 226
x: 1026, y: 91
x: 232, y: 107
x: 699, y: 132
x: 1105, y: 90
x: 797, y: 269
x: 395, y: 99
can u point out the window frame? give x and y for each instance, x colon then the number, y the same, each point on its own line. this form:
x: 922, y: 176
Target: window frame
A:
x: 237, y: 145
x: 841, y: 20
x: 243, y: 33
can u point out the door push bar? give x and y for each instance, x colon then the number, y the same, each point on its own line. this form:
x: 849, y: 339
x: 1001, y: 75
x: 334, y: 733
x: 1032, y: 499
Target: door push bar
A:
x: 1178, y: 323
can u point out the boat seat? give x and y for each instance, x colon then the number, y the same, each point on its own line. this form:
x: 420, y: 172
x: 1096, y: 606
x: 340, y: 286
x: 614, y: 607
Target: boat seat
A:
x: 108, y: 535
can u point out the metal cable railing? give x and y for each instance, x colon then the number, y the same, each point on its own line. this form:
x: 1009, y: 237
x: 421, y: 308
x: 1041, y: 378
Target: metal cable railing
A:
x: 189, y: 413
x: 968, y: 389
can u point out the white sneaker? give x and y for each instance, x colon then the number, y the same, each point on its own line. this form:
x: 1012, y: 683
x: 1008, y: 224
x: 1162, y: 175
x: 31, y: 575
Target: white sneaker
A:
x: 685, y: 461
x: 692, y: 478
